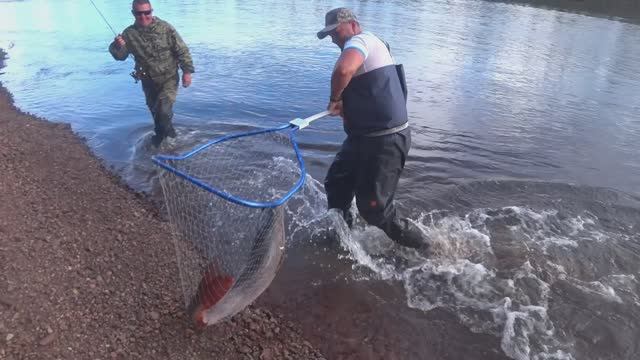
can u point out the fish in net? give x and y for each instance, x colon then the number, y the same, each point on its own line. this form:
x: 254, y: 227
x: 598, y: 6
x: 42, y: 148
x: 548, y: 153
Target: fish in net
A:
x: 225, y: 202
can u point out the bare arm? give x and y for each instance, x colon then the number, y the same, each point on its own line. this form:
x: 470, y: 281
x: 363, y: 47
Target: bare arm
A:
x: 349, y: 62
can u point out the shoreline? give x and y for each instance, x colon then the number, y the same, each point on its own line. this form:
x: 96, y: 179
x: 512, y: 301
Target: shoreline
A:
x: 87, y: 265
x: 626, y: 12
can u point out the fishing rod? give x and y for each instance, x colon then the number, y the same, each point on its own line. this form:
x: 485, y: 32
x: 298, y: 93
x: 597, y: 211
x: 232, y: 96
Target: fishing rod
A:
x: 133, y: 74
x: 103, y: 18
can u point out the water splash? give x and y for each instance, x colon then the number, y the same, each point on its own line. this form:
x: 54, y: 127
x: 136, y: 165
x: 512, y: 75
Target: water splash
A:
x: 495, y: 269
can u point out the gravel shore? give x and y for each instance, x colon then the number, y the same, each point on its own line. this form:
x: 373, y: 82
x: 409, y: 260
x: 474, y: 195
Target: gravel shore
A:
x: 87, y: 267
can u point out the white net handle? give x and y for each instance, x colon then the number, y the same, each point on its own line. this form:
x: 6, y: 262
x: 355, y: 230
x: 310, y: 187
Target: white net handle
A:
x: 303, y: 123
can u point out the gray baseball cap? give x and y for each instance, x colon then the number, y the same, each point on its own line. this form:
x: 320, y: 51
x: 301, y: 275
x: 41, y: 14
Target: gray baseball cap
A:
x: 335, y: 17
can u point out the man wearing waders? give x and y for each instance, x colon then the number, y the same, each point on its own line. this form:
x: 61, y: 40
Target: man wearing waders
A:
x: 368, y: 91
x: 157, y: 49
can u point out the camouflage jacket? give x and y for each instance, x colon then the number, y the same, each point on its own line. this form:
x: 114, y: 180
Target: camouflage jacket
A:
x: 158, y: 50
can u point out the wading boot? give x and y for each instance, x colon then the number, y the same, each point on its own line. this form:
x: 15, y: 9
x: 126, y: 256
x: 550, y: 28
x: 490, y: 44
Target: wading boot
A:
x: 407, y: 234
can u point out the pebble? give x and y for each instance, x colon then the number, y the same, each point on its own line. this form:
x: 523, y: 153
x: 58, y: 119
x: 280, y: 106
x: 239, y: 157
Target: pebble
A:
x: 47, y: 339
x: 267, y: 354
x: 7, y: 302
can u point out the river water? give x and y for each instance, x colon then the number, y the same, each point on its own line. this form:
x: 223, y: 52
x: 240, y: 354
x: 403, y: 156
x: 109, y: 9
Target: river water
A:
x: 523, y: 172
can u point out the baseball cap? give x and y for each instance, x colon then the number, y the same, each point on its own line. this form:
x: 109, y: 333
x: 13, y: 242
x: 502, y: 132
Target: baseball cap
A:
x: 333, y: 18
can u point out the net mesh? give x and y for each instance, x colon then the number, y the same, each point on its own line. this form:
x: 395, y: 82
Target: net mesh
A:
x: 228, y: 253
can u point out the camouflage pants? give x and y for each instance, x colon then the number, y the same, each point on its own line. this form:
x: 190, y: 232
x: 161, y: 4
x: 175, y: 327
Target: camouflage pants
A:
x: 160, y: 99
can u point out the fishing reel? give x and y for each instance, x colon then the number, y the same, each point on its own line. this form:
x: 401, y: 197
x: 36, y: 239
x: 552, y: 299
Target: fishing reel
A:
x: 134, y: 75
x: 138, y: 75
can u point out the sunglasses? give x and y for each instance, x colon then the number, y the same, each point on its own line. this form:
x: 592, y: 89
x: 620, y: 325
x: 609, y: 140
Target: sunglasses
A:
x: 140, y: 13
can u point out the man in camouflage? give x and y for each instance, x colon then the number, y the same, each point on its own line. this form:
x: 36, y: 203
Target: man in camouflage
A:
x: 158, y: 50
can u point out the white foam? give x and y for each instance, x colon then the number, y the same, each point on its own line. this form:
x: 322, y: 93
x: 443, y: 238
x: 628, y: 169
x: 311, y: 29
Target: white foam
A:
x: 598, y: 289
x: 307, y: 211
x: 460, y: 275
x: 453, y: 237
x: 558, y: 355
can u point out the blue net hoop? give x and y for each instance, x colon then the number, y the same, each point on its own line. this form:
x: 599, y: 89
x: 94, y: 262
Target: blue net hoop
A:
x: 161, y: 160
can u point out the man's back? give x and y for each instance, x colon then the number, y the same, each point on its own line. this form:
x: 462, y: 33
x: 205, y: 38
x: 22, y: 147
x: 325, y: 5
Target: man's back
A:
x: 373, y: 100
